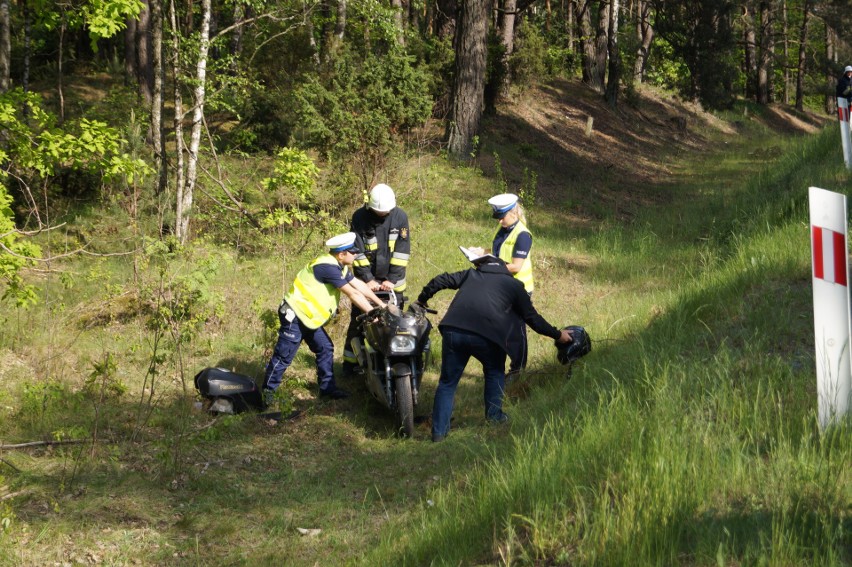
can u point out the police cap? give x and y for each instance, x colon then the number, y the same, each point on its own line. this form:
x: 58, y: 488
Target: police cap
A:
x: 502, y: 204
x: 342, y: 243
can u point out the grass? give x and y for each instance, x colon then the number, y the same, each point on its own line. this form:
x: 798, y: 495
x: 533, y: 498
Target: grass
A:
x: 687, y: 437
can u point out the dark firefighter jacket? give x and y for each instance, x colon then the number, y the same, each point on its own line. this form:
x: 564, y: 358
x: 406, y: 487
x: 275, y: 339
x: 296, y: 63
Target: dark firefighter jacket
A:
x: 385, y: 246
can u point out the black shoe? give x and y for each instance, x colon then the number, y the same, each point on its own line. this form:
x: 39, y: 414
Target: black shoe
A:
x: 334, y: 393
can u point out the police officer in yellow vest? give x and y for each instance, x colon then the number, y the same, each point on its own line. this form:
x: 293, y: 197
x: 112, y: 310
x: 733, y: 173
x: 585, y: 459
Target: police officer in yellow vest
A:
x: 309, y: 304
x: 513, y: 241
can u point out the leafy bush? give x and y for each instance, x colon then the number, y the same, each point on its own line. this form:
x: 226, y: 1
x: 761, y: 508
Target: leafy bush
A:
x: 528, y: 62
x: 360, y: 108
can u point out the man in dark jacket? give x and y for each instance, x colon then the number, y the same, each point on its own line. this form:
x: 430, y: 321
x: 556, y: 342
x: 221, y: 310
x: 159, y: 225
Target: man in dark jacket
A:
x: 385, y: 243
x: 481, y: 322
x: 844, y: 84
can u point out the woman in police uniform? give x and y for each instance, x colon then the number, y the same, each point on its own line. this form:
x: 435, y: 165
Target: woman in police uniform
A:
x: 513, y: 245
x: 513, y: 241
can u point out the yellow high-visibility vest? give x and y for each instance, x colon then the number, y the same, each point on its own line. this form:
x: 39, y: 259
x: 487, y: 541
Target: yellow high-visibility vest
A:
x: 525, y: 275
x: 315, y: 303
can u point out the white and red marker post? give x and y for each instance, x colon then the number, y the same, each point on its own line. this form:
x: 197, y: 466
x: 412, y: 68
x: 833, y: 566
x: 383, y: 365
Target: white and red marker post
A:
x: 831, y: 303
x: 845, y: 136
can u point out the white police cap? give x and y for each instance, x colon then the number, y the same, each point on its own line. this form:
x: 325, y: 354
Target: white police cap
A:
x: 847, y: 69
x: 502, y: 204
x: 341, y: 242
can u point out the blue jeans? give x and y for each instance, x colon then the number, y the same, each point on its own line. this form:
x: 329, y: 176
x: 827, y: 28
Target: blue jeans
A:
x: 290, y: 336
x: 458, y: 347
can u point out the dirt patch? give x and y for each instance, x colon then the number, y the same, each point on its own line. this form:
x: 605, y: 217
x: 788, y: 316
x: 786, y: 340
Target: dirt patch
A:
x: 584, y: 151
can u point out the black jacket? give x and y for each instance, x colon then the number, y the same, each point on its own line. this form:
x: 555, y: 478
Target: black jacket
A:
x: 491, y: 303
x: 844, y: 86
x: 374, y: 235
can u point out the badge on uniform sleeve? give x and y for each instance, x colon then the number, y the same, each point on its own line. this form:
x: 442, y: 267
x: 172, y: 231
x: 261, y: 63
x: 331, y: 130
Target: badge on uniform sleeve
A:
x: 403, y: 233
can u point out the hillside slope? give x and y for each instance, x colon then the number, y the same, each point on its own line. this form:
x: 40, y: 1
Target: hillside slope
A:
x: 630, y: 150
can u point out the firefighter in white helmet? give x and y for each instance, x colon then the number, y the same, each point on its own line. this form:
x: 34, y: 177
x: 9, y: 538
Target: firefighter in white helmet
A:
x: 385, y: 244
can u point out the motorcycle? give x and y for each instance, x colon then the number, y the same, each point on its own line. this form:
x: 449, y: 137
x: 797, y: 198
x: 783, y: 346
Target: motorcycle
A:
x: 392, y: 349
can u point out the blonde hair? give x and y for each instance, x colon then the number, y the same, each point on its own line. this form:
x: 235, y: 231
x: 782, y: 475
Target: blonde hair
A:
x: 520, y: 212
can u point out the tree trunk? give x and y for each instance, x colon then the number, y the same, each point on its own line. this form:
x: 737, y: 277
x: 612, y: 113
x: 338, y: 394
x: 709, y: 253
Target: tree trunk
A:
x: 547, y: 16
x: 143, y: 53
x: 469, y: 84
x: 601, y: 44
x: 644, y: 36
x: 800, y: 71
x: 507, y: 39
x: 750, y: 52
x: 339, y: 26
x: 569, y: 25
x: 5, y: 47
x: 25, y: 79
x: 131, y: 64
x: 830, y: 102
x: 767, y: 43
x: 399, y: 20
x: 612, y: 84
x: 177, y: 71
x: 59, y: 87
x: 237, y: 37
x: 158, y: 130
x: 587, y: 47
x: 785, y: 30
x: 312, y: 41
x: 199, y: 94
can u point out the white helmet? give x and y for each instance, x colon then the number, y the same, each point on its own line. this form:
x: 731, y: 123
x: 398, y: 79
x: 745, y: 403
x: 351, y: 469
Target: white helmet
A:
x: 847, y: 69
x: 382, y: 199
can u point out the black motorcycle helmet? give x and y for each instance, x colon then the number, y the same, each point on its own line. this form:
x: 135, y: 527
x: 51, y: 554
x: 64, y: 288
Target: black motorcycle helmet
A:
x: 579, y: 347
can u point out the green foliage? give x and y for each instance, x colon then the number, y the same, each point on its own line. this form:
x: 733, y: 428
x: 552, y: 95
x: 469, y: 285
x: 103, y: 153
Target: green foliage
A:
x: 294, y: 181
x: 102, y: 382
x: 294, y: 171
x: 663, y: 69
x: 14, y: 255
x: 35, y: 148
x: 105, y: 18
x: 45, y: 406
x: 701, y: 35
x: 529, y: 60
x: 180, y: 298
x: 358, y: 111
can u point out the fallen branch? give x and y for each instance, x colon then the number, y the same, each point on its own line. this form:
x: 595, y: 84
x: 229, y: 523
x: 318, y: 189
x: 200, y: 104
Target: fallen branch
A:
x: 10, y: 465
x: 43, y: 443
x: 13, y: 494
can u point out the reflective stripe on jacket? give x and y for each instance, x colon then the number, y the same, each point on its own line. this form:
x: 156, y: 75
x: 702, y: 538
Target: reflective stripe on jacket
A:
x: 386, y: 246
x: 525, y: 275
x: 315, y: 303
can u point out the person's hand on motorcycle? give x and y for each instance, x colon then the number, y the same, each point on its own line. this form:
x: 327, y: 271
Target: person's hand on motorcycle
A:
x: 565, y: 337
x: 374, y: 285
x: 419, y: 305
x: 386, y: 285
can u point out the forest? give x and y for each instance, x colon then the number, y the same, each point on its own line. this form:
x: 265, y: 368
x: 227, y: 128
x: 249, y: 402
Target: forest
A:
x: 349, y: 82
x: 168, y: 166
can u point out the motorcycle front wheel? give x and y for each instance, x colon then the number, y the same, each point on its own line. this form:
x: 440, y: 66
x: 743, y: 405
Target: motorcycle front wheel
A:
x: 404, y: 405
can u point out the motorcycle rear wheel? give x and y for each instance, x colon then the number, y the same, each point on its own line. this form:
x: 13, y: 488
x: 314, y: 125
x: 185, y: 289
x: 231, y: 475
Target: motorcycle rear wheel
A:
x: 404, y: 405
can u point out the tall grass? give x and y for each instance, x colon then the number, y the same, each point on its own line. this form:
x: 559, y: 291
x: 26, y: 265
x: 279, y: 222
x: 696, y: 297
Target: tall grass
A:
x: 690, y: 437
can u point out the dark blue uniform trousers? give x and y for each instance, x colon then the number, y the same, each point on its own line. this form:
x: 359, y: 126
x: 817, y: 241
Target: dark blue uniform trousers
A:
x: 290, y: 336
